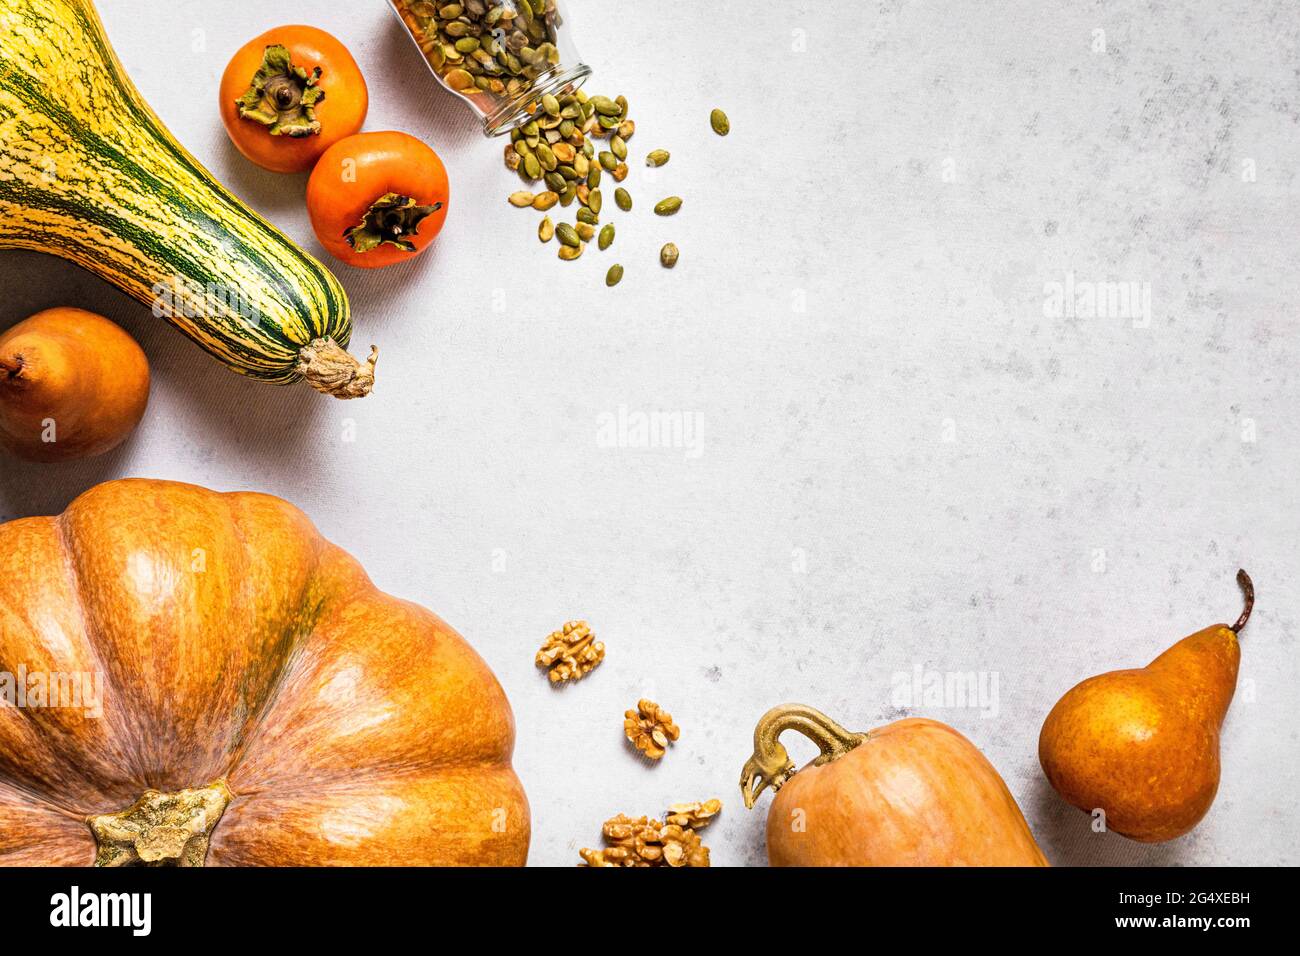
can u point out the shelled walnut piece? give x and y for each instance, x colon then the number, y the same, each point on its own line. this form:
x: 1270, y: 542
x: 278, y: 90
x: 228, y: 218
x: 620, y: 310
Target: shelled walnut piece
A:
x: 643, y: 842
x: 696, y: 816
x: 650, y: 728
x: 570, y: 653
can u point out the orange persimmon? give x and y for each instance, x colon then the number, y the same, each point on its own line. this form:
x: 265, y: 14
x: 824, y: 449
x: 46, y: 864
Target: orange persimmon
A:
x: 376, y: 199
x: 289, y: 95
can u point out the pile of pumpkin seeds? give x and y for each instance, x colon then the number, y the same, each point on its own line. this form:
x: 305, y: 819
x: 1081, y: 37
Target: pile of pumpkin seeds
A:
x: 557, y: 150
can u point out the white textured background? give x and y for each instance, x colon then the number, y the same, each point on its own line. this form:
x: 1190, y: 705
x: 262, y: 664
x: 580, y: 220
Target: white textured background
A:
x: 915, y: 174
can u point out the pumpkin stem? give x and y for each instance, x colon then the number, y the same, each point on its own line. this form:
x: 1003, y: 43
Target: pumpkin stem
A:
x: 330, y: 369
x: 282, y: 97
x: 771, y: 766
x: 1248, y: 590
x: 161, y: 829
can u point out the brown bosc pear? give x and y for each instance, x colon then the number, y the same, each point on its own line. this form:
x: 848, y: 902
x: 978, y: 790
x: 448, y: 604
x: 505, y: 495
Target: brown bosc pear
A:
x: 1142, y: 745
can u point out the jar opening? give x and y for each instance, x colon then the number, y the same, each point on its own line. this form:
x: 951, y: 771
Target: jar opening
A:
x: 527, y: 104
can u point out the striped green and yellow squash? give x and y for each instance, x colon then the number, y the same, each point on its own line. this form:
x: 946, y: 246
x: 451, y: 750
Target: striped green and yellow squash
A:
x: 88, y: 172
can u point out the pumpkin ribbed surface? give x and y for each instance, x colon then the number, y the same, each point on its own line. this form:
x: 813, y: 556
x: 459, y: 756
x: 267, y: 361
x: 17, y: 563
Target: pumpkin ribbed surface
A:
x: 237, y: 645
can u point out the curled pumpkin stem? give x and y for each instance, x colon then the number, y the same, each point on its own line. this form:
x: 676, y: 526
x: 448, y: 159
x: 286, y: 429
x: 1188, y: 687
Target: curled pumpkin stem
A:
x: 771, y: 766
x: 329, y: 368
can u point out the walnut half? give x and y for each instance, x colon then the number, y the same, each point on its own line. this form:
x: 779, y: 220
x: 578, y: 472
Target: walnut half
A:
x: 650, y: 728
x: 694, y: 816
x: 570, y: 653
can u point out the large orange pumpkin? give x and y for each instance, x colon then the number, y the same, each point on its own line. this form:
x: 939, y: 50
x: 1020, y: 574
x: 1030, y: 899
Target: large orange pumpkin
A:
x: 913, y: 793
x: 261, y: 702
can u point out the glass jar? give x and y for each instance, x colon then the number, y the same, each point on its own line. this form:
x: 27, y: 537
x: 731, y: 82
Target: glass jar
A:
x: 499, y: 56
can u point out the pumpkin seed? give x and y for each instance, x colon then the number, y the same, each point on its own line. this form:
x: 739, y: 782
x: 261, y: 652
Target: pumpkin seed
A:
x: 551, y: 105
x: 587, y: 216
x: 614, y: 276
x: 585, y: 231
x: 567, y: 235
x: 718, y: 120
x: 623, y: 199
x: 669, y: 206
x: 605, y: 106
x: 521, y: 199
x: 546, y: 157
x: 594, y: 201
x: 606, y: 236
x: 569, y: 253
x: 626, y: 129
x: 668, y: 255
x: 620, y: 172
x: 532, y: 168
x: 544, y: 201
x: 593, y: 177
x: 546, y: 229
x: 618, y: 147
x: 657, y: 157
x: 607, y: 159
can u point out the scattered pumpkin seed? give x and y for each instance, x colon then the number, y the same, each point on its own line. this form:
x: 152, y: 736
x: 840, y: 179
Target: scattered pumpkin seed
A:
x: 569, y: 253
x: 657, y: 157
x: 668, y: 255
x: 588, y: 216
x: 567, y: 235
x: 607, y: 159
x: 623, y: 199
x: 718, y: 120
x: 606, y: 236
x: 594, y: 201
x: 544, y: 201
x: 546, y: 229
x: 614, y: 276
x: 521, y: 199
x: 552, y: 105
x: 618, y: 147
x: 620, y: 172
x: 669, y: 206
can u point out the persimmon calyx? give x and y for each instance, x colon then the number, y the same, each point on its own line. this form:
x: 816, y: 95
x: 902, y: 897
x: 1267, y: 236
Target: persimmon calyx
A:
x: 390, y: 219
x: 283, y: 97
x: 161, y: 829
x: 771, y: 766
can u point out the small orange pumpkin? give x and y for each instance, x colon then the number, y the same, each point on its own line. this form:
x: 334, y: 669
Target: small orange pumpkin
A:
x: 72, y: 385
x: 913, y: 793
x: 260, y: 702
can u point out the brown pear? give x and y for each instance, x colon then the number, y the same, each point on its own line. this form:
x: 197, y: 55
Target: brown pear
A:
x: 1143, y: 745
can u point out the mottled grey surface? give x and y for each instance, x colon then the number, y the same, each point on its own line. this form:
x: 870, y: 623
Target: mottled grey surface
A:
x: 907, y: 457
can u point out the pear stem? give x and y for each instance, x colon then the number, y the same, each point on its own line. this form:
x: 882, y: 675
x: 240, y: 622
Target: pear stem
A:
x: 1248, y: 589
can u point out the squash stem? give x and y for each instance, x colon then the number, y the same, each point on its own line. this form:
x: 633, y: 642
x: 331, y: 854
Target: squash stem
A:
x: 771, y: 766
x: 328, y: 368
x: 161, y: 829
